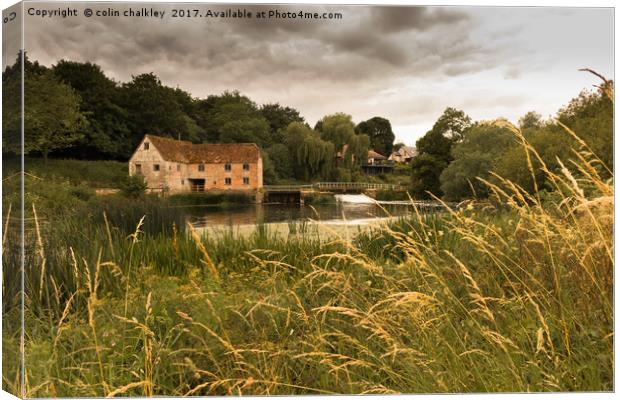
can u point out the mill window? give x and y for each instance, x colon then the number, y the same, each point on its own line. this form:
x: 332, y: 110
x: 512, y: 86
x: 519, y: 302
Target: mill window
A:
x: 227, y: 167
x: 246, y: 180
x: 201, y: 167
x: 146, y: 145
x: 228, y: 181
x: 156, y: 167
x: 246, y: 167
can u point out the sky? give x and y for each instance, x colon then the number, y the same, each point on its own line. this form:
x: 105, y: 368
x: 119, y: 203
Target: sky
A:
x: 406, y: 64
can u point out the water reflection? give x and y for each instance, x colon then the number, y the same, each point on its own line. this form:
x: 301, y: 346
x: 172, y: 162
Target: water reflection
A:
x: 273, y: 213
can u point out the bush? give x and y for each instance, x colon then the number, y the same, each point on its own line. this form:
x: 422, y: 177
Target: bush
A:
x: 82, y: 192
x: 133, y: 186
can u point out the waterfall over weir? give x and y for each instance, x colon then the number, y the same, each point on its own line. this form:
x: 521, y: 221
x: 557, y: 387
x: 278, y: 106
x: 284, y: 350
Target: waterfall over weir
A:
x: 355, y: 199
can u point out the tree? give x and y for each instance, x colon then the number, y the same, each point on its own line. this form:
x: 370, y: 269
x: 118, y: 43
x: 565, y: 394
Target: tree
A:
x: 279, y: 118
x: 281, y: 160
x: 31, y: 68
x: 231, y: 117
x: 154, y: 109
x: 398, y: 146
x: 436, y: 146
x: 590, y: 116
x: 551, y: 143
x: 269, y: 172
x: 475, y: 156
x: 107, y: 134
x: 52, y: 118
x: 312, y: 157
x: 453, y: 123
x: 245, y: 130
x: 531, y: 120
x: 425, y: 171
x: 379, y: 130
x: 339, y: 129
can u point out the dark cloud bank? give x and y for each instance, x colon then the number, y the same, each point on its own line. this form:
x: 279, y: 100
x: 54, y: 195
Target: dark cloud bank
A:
x: 362, y: 64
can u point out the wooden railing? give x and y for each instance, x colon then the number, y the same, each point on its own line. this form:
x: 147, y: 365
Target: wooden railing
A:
x: 287, y: 188
x: 356, y: 185
x: 335, y: 186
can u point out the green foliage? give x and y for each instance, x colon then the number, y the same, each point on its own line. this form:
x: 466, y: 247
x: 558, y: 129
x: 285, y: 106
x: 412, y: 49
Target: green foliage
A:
x: 590, y: 116
x: 339, y: 129
x: 281, y: 159
x: 434, y: 150
x: 531, y: 120
x: 312, y: 157
x: 452, y: 124
x: 134, y: 186
x: 379, y: 130
x: 425, y: 172
x: 475, y: 156
x: 107, y: 134
x: 95, y: 174
x: 269, y: 172
x: 234, y: 118
x: 398, y: 146
x: 52, y: 118
x: 279, y: 118
x: 154, y: 109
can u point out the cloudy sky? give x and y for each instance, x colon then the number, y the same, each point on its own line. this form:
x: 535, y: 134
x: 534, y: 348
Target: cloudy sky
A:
x: 403, y: 63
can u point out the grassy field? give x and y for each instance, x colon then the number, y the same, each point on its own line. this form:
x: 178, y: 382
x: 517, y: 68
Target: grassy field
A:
x: 94, y: 174
x: 515, y: 294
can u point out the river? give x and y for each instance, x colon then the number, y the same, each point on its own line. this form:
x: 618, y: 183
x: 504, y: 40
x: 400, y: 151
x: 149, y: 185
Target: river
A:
x: 332, y: 213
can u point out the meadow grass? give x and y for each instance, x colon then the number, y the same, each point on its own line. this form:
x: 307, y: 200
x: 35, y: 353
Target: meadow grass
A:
x: 513, y: 294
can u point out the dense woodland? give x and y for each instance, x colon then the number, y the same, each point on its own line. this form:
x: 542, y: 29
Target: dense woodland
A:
x: 73, y: 110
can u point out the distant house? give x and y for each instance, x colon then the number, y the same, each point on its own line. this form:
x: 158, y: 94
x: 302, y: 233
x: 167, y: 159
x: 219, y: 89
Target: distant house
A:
x: 179, y: 166
x: 403, y: 155
x: 375, y: 158
x: 377, y: 163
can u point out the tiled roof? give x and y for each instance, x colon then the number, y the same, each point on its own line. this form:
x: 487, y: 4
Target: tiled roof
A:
x: 374, y: 154
x: 188, y: 152
x: 407, y: 151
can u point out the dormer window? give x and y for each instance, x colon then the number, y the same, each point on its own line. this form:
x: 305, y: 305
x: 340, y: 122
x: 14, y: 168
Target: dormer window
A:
x: 146, y: 145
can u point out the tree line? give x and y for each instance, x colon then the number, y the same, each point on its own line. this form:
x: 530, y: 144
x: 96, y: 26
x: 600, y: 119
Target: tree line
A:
x: 457, y: 155
x: 73, y: 110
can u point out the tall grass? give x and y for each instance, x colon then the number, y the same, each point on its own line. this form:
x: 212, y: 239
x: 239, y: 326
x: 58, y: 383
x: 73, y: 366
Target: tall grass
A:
x: 511, y: 295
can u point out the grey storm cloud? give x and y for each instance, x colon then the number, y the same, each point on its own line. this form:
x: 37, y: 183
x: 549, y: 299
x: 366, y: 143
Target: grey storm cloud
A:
x: 365, y: 36
x: 398, y: 62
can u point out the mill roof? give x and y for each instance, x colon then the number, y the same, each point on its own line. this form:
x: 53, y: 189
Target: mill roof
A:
x: 188, y: 152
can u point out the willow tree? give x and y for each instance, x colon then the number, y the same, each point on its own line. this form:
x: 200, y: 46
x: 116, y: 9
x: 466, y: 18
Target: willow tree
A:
x: 312, y: 157
x: 339, y: 129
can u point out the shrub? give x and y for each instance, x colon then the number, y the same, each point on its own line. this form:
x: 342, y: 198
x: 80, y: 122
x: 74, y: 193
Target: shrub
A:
x: 133, y: 186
